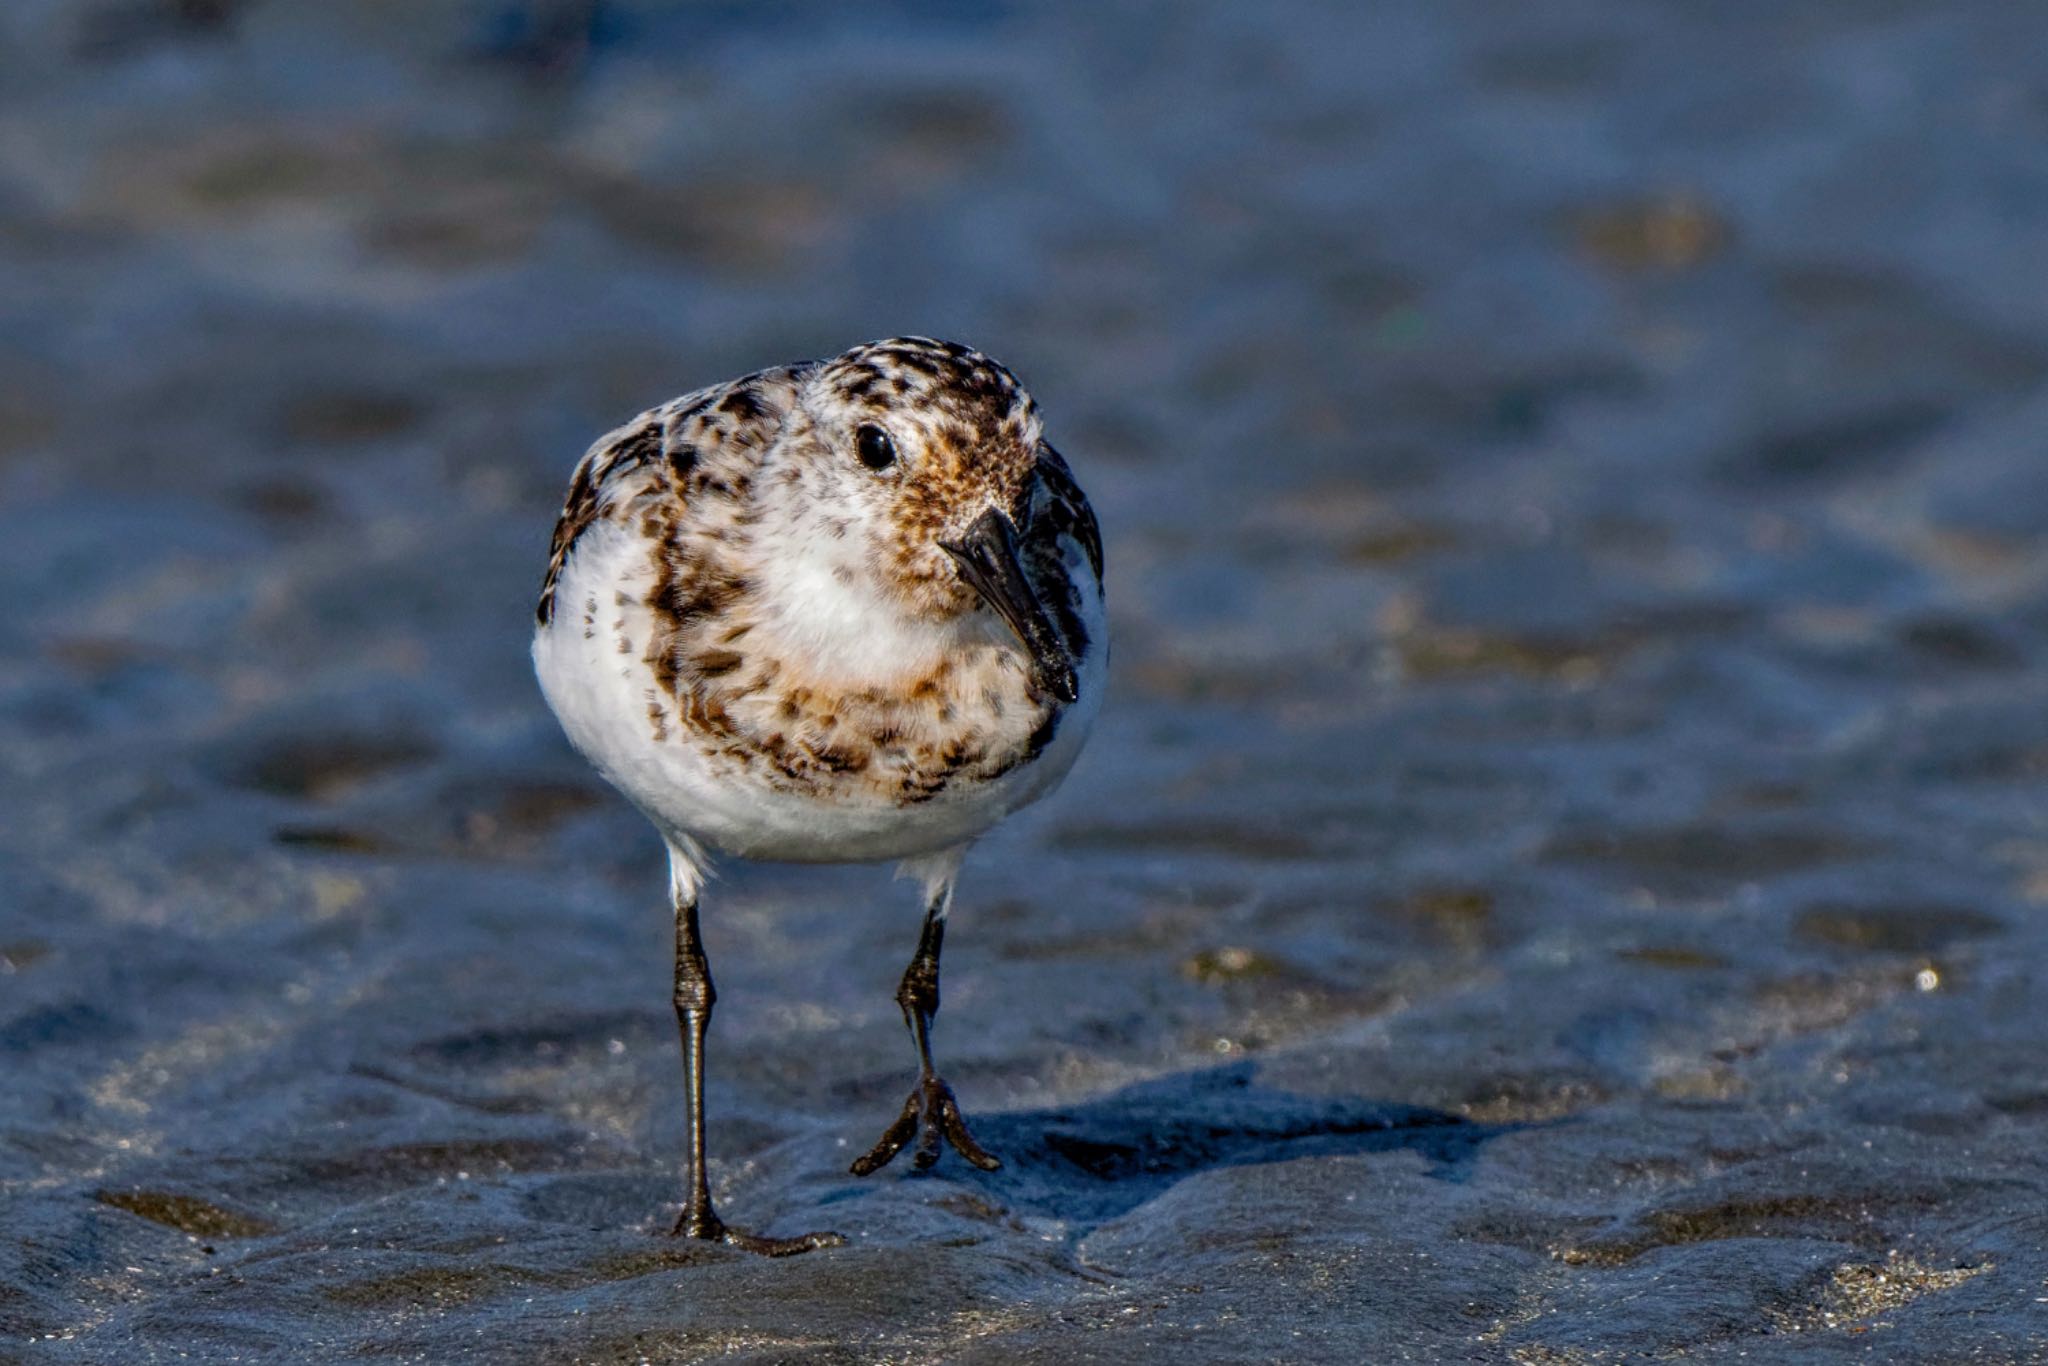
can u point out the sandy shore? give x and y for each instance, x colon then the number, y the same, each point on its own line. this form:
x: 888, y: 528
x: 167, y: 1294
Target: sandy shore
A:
x: 1559, y: 878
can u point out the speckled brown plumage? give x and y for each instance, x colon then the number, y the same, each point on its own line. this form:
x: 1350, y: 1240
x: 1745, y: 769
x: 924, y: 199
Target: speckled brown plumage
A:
x: 684, y: 476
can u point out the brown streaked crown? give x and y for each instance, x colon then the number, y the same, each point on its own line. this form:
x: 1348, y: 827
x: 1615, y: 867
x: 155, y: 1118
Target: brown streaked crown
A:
x: 923, y: 372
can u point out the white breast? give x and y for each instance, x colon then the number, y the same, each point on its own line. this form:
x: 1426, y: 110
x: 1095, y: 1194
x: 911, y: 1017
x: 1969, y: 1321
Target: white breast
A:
x: 815, y: 599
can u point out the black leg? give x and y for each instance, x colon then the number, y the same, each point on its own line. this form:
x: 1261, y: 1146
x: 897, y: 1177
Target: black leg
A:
x: 931, y: 1113
x: 694, y: 997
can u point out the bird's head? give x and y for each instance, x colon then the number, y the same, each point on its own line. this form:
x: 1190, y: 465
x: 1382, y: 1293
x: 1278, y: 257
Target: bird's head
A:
x: 920, y: 455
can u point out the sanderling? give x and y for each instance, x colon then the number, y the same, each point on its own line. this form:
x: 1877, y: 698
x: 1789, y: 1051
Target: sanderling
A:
x: 835, y: 612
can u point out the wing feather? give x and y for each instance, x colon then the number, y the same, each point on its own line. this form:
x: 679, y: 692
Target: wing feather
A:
x: 1067, y: 509
x: 707, y: 438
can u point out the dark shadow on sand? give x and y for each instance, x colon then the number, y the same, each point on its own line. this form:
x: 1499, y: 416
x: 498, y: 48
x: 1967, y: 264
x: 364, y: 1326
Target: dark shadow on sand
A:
x: 1091, y: 1163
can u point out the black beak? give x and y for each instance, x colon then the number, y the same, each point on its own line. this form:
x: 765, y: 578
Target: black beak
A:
x: 987, y: 559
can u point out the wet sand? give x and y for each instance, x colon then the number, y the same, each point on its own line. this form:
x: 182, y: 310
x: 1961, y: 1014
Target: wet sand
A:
x: 1559, y: 878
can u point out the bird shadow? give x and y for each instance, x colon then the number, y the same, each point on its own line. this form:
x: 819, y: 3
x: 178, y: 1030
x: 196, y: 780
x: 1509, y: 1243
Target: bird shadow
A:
x: 1091, y: 1163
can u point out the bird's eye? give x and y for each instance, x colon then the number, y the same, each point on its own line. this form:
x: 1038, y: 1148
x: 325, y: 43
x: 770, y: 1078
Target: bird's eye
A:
x: 874, y: 447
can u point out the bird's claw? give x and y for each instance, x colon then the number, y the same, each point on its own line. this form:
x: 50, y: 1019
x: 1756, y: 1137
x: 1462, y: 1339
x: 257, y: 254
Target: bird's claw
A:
x: 702, y: 1222
x: 931, y: 1114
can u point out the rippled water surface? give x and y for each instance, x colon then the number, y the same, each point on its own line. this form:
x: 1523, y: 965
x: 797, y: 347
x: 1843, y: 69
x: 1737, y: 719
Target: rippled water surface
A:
x: 1559, y: 878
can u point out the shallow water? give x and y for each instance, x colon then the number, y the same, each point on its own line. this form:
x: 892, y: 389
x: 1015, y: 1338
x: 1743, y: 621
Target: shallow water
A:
x: 1559, y: 877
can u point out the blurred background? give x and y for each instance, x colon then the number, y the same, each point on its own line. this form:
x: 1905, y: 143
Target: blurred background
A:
x: 1558, y: 878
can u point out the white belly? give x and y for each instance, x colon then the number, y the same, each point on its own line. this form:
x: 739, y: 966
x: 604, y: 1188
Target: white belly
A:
x: 602, y: 694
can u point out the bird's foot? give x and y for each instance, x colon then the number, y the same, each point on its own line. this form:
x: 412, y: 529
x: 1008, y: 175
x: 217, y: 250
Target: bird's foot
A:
x: 701, y: 1221
x: 931, y: 1114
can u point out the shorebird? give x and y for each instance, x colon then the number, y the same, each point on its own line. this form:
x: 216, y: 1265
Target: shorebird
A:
x: 838, y: 611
